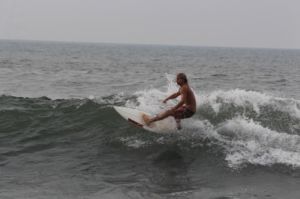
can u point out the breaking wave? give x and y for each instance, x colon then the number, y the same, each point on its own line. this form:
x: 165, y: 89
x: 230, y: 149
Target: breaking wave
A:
x: 248, y: 127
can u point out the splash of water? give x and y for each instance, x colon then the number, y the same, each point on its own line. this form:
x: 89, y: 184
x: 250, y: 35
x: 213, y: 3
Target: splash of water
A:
x: 250, y: 126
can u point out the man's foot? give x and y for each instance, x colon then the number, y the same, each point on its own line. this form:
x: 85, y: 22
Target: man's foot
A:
x: 146, y: 119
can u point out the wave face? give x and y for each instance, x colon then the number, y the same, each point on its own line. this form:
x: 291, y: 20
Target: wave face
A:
x: 29, y: 125
x: 245, y: 127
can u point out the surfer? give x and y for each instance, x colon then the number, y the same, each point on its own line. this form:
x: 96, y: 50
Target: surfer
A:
x: 184, y: 109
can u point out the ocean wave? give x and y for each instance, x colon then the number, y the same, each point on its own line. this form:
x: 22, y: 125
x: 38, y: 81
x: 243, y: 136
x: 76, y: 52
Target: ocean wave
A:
x: 248, y: 142
x: 251, y: 127
x: 248, y: 127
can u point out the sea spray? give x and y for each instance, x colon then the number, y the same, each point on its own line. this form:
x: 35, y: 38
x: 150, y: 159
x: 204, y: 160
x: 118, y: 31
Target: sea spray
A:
x: 248, y: 125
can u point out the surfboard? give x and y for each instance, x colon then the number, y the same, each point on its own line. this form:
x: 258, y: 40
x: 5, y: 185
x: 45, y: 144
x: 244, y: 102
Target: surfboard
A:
x: 135, y: 117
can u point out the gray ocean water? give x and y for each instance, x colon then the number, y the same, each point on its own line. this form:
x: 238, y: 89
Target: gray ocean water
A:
x: 61, y: 138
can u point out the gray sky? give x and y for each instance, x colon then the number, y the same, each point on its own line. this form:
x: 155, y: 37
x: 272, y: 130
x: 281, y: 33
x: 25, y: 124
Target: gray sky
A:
x: 236, y: 23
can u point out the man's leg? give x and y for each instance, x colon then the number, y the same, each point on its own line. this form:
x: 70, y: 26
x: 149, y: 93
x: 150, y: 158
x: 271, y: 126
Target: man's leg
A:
x: 167, y: 114
x: 159, y: 117
x: 178, y: 124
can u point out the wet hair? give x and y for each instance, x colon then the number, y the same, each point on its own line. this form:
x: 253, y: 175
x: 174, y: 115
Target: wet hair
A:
x: 183, y: 77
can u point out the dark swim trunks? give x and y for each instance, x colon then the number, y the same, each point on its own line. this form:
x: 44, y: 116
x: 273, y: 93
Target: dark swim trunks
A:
x: 183, y: 112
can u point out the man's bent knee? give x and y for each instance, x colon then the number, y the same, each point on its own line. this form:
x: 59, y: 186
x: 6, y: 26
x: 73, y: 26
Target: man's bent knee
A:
x: 171, y: 112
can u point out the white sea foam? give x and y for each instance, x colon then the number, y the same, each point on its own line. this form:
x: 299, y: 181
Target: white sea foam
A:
x: 243, y: 140
x: 243, y: 98
x: 133, y: 142
x: 249, y: 142
x: 237, y: 97
x: 151, y: 100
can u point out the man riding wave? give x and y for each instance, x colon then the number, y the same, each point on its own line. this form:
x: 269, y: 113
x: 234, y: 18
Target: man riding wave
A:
x: 184, y: 109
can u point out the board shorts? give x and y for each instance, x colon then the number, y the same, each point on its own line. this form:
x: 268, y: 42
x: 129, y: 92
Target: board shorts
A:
x: 183, y: 112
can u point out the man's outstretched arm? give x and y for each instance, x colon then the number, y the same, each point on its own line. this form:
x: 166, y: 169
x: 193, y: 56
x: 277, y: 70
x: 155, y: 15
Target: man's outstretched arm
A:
x: 174, y: 95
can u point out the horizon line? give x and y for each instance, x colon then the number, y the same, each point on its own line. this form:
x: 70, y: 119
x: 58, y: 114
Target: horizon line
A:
x: 146, y: 44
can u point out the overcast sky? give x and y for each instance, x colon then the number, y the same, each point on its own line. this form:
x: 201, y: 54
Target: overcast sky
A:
x: 232, y: 23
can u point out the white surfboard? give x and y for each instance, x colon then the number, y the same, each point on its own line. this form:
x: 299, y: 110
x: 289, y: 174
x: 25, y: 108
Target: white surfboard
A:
x: 134, y: 116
